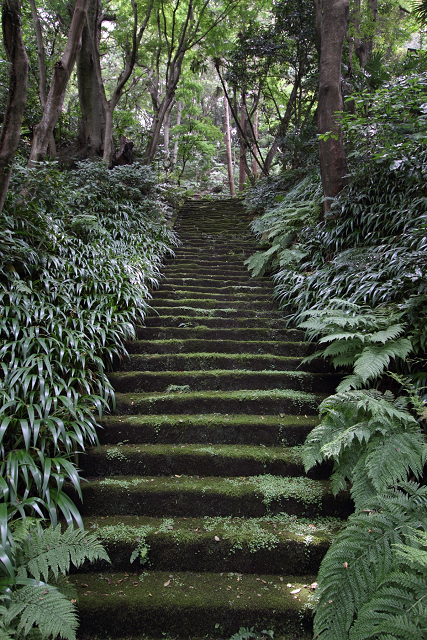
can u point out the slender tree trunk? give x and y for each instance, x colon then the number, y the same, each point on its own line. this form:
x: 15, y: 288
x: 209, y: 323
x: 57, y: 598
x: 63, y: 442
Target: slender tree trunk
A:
x: 17, y: 91
x: 228, y: 147
x: 363, y: 46
x: 41, y: 61
x: 61, y: 74
x: 242, y: 155
x: 255, y: 151
x: 333, y: 164
x: 175, y: 144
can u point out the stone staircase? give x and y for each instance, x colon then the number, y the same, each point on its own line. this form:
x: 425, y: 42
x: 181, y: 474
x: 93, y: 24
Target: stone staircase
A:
x: 198, y: 490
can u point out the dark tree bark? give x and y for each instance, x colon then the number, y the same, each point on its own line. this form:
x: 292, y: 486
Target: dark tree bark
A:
x: 227, y: 136
x: 41, y: 62
x: 90, y: 98
x: 131, y: 51
x: 61, y: 74
x: 333, y: 164
x: 17, y: 91
x: 177, y: 43
x: 363, y: 45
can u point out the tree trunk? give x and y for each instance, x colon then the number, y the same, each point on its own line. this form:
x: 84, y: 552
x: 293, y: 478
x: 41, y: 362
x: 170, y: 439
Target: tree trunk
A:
x: 61, y: 74
x: 42, y: 69
x: 90, y: 98
x: 17, y: 91
x: 242, y: 154
x: 175, y: 144
x: 255, y: 151
x: 363, y: 46
x: 228, y: 147
x: 333, y: 164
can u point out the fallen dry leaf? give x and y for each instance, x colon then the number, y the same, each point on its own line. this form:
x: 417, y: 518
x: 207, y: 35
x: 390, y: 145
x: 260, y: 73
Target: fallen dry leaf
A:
x: 295, y: 591
x: 167, y: 583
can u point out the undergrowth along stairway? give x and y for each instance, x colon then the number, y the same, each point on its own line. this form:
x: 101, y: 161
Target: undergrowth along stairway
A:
x: 198, y: 490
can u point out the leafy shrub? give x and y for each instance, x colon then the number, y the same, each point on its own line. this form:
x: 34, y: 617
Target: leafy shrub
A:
x: 79, y: 252
x: 280, y: 225
x: 358, y: 336
x: 373, y: 440
x: 372, y: 582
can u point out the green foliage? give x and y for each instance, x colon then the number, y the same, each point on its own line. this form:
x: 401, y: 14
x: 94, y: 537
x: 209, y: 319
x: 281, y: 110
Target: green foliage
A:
x: 373, y: 440
x: 371, y: 249
x: 38, y: 599
x: 357, y: 336
x: 79, y: 252
x: 280, y: 225
x: 373, y: 580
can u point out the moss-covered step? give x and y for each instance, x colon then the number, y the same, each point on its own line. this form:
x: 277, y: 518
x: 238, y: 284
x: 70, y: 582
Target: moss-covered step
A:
x: 192, y: 267
x: 195, y: 496
x: 184, y: 604
x: 215, y: 285
x: 209, y: 361
x: 208, y: 428
x: 221, y: 380
x: 194, y: 459
x: 243, y: 401
x: 194, y: 310
x: 226, y: 302
x: 232, y: 281
x: 204, y: 321
x: 267, y: 347
x: 216, y: 294
x: 214, y: 333
x: 282, y: 543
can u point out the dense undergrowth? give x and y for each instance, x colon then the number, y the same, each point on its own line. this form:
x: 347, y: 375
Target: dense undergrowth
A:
x: 355, y: 279
x: 79, y: 252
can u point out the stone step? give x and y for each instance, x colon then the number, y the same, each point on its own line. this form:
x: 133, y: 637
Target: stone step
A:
x: 218, y: 302
x: 208, y: 428
x: 190, y: 604
x: 221, y: 380
x: 212, y: 280
x: 242, y: 401
x: 285, y: 544
x: 212, y: 295
x: 212, y: 333
x: 192, y: 270
x: 194, y: 459
x: 267, y: 347
x: 216, y: 323
x: 198, y: 496
x: 214, y: 285
x: 209, y: 361
x: 194, y: 310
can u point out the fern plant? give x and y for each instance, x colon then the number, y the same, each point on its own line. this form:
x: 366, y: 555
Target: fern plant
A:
x: 38, y: 598
x: 358, y: 336
x: 373, y: 440
x: 372, y: 582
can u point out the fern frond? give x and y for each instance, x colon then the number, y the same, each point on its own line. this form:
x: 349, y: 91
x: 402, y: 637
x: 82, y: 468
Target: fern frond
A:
x: 53, y: 550
x: 375, y: 359
x: 45, y: 607
x: 363, y: 556
x: 391, y: 459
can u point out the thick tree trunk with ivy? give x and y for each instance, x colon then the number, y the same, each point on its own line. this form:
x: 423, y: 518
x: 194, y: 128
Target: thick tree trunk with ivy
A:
x: 91, y: 104
x: 17, y: 90
x: 333, y: 164
x: 61, y: 74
